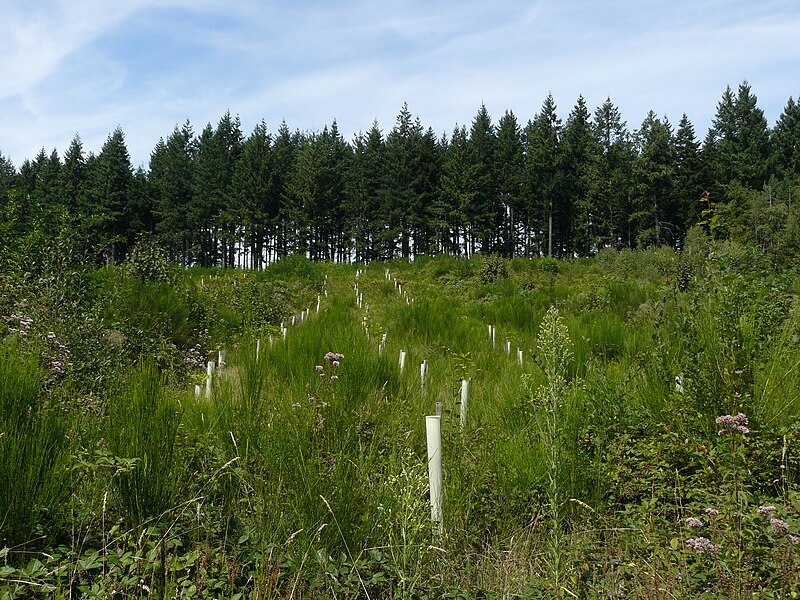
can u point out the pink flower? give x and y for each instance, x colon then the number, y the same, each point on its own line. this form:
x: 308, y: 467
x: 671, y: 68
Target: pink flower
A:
x: 703, y: 545
x: 335, y: 363
x: 693, y: 522
x: 319, y: 368
x: 765, y: 510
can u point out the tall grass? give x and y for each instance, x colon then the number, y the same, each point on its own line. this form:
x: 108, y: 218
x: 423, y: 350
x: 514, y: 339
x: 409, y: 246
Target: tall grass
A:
x: 143, y: 422
x: 34, y: 463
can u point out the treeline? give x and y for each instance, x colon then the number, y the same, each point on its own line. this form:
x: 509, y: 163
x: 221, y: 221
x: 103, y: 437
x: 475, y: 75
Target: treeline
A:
x: 220, y: 198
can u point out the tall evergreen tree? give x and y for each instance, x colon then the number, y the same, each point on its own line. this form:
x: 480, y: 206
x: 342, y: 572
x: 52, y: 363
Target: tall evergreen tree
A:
x: 510, y: 162
x: 688, y: 184
x: 284, y: 155
x: 426, y: 190
x: 453, y: 216
x: 366, y: 184
x: 250, y: 193
x: 611, y: 187
x: 171, y: 183
x: 483, y: 210
x: 399, y: 194
x: 654, y: 216
x: 785, y: 144
x: 108, y: 183
x: 575, y: 217
x: 73, y: 175
x: 543, y: 141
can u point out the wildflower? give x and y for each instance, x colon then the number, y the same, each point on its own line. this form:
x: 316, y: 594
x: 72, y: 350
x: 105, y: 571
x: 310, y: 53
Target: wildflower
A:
x: 339, y: 356
x: 765, y: 510
x: 793, y: 538
x: 334, y: 378
x: 335, y: 363
x: 330, y: 356
x: 693, y: 522
x: 51, y: 335
x: 711, y: 512
x: 779, y: 526
x: 703, y: 545
x: 319, y: 368
x: 736, y: 423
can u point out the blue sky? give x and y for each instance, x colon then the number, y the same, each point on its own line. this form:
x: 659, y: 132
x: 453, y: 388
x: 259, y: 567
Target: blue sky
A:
x: 88, y: 66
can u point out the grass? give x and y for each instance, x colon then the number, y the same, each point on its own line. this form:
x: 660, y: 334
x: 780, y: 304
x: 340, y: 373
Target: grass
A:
x: 287, y: 484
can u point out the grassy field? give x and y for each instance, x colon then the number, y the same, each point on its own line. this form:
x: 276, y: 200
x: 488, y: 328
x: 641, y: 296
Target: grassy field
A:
x: 632, y: 431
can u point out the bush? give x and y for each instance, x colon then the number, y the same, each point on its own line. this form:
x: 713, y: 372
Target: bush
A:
x: 493, y: 269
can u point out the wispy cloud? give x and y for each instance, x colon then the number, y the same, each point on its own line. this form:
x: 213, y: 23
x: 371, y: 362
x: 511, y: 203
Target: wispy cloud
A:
x: 89, y: 65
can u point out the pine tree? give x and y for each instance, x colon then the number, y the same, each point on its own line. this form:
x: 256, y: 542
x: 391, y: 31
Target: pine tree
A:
x: 453, y: 215
x: 688, y: 176
x: 654, y: 215
x: 483, y: 181
x: 611, y: 188
x: 108, y: 183
x: 171, y: 185
x: 510, y: 161
x: 785, y: 142
x: 426, y: 190
x: 250, y: 193
x: 543, y: 141
x: 284, y: 156
x: 399, y: 192
x: 575, y: 220
x: 366, y: 184
x: 73, y: 175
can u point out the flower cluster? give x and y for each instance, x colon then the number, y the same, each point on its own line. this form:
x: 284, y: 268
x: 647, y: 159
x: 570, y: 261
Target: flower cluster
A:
x: 733, y: 424
x: 703, y: 545
x: 711, y: 512
x: 194, y: 357
x: 779, y: 526
x: 334, y: 360
x: 765, y: 510
x: 23, y: 325
x: 60, y: 354
x: 693, y: 522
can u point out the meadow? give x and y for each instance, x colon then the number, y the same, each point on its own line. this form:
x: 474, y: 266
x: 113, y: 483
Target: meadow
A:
x: 631, y: 429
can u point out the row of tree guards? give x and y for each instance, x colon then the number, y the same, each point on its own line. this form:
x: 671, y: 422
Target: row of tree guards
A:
x: 433, y: 423
x: 212, y: 367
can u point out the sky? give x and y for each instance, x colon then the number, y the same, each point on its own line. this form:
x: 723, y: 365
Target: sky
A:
x: 85, y: 67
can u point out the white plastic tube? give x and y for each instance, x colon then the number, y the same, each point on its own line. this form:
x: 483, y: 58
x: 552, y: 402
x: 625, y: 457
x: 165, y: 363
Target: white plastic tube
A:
x: 433, y: 430
x: 402, y: 360
x: 519, y: 356
x: 209, y: 377
x: 464, y: 402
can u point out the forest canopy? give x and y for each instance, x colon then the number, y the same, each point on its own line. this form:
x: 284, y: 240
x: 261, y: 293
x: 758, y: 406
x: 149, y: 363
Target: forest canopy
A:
x: 543, y: 188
